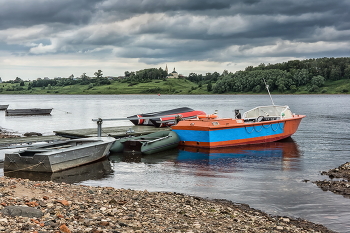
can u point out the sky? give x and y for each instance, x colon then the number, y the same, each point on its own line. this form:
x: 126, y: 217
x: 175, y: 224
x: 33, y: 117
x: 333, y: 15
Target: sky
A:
x: 58, y: 38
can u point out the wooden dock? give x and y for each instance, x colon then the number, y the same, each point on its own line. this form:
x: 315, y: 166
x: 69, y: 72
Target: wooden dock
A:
x: 7, y: 143
x: 117, y: 132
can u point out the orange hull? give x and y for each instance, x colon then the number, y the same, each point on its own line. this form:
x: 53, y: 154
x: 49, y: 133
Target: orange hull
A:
x: 215, y: 133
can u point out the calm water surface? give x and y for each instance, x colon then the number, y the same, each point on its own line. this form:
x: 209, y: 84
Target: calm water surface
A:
x: 267, y: 177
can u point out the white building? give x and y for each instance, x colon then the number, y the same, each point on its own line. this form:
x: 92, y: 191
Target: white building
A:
x: 173, y: 74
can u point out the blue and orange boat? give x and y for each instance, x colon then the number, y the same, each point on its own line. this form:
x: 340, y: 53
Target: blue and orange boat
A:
x: 258, y: 125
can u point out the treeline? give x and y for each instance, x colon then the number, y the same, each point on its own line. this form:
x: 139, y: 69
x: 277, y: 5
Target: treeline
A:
x: 145, y: 75
x: 286, y: 76
x: 98, y: 80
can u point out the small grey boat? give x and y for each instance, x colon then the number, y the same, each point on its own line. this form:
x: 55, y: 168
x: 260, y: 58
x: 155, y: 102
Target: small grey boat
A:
x: 28, y: 111
x: 59, y: 156
x: 3, y: 107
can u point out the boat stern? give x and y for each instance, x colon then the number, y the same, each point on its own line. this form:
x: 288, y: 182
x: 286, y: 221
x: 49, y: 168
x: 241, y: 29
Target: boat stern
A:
x: 16, y: 162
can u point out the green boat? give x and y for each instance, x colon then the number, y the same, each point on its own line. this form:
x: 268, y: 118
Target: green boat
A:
x: 147, y: 144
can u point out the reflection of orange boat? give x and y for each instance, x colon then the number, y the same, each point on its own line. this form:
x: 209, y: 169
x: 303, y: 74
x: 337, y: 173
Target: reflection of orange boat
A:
x: 284, y: 150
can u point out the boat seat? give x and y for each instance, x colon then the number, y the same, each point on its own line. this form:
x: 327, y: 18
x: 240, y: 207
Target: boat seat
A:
x: 145, y: 138
x: 37, y: 150
x: 58, y: 147
x: 32, y: 152
x: 139, y: 140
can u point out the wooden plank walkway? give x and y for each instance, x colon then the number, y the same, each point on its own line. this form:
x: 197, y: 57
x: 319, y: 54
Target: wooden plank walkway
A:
x: 117, y: 132
x: 6, y: 143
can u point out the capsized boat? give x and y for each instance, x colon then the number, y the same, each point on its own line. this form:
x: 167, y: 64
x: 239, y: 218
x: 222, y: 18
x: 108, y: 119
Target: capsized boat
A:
x: 59, y: 156
x: 146, y: 118
x: 147, y: 144
x: 258, y: 125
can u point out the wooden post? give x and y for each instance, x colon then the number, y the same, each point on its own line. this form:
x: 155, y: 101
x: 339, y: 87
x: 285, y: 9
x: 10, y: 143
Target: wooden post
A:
x: 99, y: 127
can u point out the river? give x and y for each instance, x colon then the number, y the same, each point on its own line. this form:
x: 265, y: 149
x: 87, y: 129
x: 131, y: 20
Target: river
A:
x: 268, y: 177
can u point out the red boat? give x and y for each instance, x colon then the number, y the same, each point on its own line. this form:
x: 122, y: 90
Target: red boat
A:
x: 171, y: 120
x: 164, y: 118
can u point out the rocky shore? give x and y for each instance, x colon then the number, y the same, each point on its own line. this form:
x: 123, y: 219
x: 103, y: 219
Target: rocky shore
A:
x: 339, y: 180
x: 30, y: 206
x: 7, y: 134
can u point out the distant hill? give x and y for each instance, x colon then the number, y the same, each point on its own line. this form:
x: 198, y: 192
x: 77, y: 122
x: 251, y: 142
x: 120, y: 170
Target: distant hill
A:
x: 311, y: 76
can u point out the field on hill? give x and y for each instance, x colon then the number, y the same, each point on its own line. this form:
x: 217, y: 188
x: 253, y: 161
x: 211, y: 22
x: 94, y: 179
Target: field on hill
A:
x: 167, y: 86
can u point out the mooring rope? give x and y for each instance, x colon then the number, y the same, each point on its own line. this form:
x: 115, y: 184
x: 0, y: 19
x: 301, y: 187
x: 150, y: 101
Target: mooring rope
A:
x: 62, y: 111
x: 30, y: 167
x: 261, y: 128
x: 264, y: 126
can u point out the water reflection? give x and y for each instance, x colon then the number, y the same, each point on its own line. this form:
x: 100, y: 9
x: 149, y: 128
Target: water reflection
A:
x: 228, y: 159
x: 231, y: 159
x: 129, y: 157
x: 92, y: 171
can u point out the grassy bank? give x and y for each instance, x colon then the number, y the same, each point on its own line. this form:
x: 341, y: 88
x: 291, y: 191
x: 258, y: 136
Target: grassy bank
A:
x: 168, y: 86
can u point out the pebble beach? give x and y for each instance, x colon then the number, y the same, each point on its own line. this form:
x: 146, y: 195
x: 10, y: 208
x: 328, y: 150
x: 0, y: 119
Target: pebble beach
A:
x: 45, y: 206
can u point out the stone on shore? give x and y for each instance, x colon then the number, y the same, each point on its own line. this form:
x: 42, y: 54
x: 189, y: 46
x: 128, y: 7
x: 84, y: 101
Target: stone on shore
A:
x: 339, y: 180
x: 22, y: 211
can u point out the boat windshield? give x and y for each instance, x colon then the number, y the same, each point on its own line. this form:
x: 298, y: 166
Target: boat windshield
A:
x: 269, y: 111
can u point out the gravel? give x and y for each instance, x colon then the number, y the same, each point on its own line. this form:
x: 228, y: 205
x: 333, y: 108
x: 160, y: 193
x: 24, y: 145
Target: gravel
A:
x: 46, y: 206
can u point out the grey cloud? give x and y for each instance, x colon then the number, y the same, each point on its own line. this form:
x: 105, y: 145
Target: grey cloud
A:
x: 155, y: 6
x: 174, y: 30
x: 22, y: 13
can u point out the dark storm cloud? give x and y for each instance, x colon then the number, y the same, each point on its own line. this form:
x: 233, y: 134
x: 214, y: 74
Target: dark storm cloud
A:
x: 24, y: 13
x: 177, y: 30
x: 156, y: 6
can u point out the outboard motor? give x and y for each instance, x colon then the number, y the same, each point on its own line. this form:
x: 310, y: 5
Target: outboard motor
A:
x: 237, y: 114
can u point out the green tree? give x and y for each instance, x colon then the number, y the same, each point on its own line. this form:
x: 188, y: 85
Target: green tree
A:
x: 317, y: 81
x: 335, y: 73
x: 209, y: 87
x: 347, y: 72
x: 98, y: 74
x: 17, y: 80
x: 84, y: 79
x: 293, y: 88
